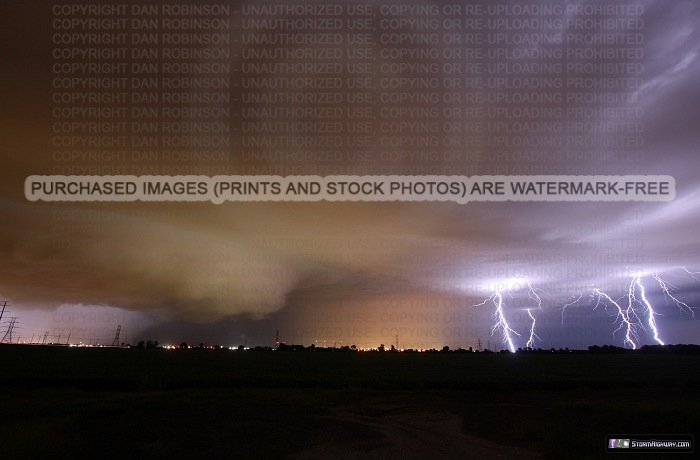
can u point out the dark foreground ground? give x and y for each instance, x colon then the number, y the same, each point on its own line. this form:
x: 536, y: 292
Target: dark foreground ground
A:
x: 75, y: 403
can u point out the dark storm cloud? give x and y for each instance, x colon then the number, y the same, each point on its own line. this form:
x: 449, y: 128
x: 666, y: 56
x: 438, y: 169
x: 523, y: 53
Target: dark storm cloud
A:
x: 242, y: 263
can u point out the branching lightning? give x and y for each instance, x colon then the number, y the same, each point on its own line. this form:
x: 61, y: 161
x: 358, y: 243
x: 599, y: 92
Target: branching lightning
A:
x: 623, y: 315
x: 650, y: 311
x: 533, y: 293
x: 533, y: 335
x: 695, y: 275
x: 639, y: 307
x: 569, y: 304
x: 635, y: 316
x: 501, y: 322
x: 668, y: 290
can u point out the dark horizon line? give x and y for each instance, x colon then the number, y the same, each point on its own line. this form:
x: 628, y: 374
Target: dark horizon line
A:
x: 282, y: 347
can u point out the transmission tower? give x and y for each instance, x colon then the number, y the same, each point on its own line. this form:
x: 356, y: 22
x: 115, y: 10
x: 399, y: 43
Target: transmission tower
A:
x: 115, y: 342
x: 4, y: 305
x: 479, y: 344
x: 7, y: 338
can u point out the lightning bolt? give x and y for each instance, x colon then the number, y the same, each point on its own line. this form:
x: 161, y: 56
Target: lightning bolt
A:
x: 694, y: 275
x: 533, y: 335
x: 534, y: 295
x: 568, y: 304
x: 622, y: 315
x: 650, y: 311
x: 630, y: 319
x: 668, y: 290
x: 501, y: 323
x: 633, y: 312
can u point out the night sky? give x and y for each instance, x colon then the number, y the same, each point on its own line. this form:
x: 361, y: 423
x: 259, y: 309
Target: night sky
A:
x: 360, y: 273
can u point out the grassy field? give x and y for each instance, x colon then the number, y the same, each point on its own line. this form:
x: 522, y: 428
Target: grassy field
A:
x: 117, y: 403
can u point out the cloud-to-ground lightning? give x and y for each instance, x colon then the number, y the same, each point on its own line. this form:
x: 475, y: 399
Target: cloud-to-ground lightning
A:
x: 533, y: 293
x: 631, y: 317
x: 635, y: 315
x: 621, y: 314
x: 502, y: 324
x: 531, y: 341
x: 650, y: 311
x: 501, y: 321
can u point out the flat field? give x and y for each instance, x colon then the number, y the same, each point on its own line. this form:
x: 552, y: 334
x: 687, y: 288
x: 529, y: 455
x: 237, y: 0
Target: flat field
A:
x: 105, y: 403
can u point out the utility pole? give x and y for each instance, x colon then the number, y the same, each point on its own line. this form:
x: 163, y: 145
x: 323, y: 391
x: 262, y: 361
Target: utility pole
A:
x: 115, y: 342
x: 397, y: 342
x: 277, y: 339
